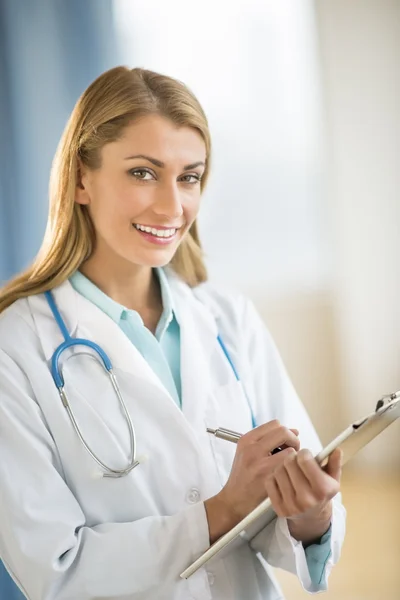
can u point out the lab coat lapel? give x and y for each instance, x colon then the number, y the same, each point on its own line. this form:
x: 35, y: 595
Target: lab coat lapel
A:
x: 85, y: 320
x: 198, y: 344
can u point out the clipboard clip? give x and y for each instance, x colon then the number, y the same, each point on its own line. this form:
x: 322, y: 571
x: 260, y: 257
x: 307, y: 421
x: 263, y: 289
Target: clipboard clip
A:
x: 387, y: 400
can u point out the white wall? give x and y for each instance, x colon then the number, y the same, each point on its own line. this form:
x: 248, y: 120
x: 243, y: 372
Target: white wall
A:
x: 253, y: 65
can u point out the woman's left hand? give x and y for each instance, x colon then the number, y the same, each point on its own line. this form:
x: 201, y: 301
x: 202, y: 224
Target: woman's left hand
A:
x: 302, y: 492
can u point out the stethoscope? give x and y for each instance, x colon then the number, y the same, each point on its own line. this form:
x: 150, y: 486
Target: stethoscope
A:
x: 58, y: 378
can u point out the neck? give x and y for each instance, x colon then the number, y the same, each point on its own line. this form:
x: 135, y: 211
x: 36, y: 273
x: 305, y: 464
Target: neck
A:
x: 134, y: 286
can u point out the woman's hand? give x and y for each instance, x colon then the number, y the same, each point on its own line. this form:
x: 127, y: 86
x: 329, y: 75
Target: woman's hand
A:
x: 302, y: 492
x: 246, y: 487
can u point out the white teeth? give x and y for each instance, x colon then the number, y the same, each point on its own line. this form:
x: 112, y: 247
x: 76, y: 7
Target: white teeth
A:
x: 164, y: 233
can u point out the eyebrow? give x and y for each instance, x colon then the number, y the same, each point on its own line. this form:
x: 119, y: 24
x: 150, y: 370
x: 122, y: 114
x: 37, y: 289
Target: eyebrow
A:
x: 160, y: 164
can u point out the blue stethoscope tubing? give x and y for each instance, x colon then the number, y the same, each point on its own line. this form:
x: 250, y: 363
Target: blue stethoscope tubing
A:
x: 60, y: 384
x: 230, y: 361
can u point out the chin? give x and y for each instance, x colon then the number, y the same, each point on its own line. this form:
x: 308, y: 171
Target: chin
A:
x: 153, y: 259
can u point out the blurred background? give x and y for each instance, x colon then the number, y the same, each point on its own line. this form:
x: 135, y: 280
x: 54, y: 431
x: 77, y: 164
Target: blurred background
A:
x: 302, y: 211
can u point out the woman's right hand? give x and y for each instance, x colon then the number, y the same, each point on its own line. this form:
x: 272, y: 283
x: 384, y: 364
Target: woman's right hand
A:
x: 252, y: 465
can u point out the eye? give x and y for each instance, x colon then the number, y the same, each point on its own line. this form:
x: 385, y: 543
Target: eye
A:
x: 142, y: 174
x: 191, y: 178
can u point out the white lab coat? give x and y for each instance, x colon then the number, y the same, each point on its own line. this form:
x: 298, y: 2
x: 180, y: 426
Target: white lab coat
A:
x: 67, y: 534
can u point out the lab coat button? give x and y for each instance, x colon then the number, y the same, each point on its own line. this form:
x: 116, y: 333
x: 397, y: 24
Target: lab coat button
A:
x: 193, y: 496
x: 210, y: 577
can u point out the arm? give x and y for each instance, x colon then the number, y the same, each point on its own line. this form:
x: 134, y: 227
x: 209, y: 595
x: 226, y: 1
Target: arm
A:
x: 268, y: 383
x: 44, y: 539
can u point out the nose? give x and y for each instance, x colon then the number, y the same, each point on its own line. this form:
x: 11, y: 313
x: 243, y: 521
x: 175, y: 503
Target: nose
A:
x: 168, y: 202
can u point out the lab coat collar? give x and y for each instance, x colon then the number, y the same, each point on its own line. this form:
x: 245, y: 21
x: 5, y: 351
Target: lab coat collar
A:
x: 185, y: 302
x: 84, y: 319
x: 116, y: 311
x: 49, y: 333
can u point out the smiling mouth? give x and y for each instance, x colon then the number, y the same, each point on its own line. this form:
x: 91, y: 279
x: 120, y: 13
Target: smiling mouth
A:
x: 157, y: 232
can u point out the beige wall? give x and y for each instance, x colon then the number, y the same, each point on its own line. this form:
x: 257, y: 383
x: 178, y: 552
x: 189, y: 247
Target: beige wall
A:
x: 342, y: 348
x: 302, y: 327
x: 360, y: 67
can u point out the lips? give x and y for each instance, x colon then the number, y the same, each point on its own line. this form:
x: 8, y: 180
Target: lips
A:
x: 161, y: 232
x: 156, y: 235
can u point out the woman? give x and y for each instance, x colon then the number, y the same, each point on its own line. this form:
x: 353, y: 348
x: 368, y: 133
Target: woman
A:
x: 125, y: 192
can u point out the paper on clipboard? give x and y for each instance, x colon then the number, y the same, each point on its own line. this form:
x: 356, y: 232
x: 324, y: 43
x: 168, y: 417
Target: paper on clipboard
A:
x: 351, y: 440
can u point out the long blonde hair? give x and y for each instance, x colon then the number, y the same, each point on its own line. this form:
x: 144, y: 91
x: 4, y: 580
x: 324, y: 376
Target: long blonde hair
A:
x: 113, y: 101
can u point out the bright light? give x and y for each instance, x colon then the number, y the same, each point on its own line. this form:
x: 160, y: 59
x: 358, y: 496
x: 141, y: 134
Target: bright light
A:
x: 253, y: 66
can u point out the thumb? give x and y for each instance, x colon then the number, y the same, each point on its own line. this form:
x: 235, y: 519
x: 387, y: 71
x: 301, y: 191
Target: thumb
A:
x: 334, y: 465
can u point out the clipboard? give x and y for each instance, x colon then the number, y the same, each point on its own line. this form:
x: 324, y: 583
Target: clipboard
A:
x: 350, y: 441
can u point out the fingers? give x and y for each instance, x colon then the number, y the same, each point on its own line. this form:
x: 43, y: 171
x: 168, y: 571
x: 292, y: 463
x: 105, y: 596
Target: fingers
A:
x: 261, y: 431
x: 323, y: 485
x: 294, y: 488
x: 282, y: 483
x: 270, y: 463
x: 296, y: 476
x: 298, y: 485
x: 281, y: 436
x: 263, y: 440
x: 308, y: 465
x: 334, y: 466
x: 275, y: 496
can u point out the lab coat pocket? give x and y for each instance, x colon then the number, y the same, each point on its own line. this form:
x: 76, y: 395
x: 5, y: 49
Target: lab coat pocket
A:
x: 229, y: 408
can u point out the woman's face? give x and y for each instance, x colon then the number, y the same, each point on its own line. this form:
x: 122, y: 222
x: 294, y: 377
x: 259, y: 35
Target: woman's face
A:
x: 146, y: 194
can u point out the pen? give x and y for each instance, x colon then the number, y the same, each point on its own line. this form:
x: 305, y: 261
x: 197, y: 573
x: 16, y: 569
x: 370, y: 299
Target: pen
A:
x: 232, y: 436
x: 225, y: 434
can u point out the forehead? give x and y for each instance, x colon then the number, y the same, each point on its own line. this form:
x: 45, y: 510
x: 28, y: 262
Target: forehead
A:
x: 158, y: 137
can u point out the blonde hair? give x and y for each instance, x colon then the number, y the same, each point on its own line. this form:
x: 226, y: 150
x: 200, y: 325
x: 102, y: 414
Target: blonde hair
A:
x: 113, y: 101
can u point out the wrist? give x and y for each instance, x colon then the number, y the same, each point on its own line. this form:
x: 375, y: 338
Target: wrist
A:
x: 309, y: 530
x: 219, y: 516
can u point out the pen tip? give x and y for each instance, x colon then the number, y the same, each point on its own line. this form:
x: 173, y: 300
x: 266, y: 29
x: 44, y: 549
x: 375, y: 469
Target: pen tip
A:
x: 211, y: 430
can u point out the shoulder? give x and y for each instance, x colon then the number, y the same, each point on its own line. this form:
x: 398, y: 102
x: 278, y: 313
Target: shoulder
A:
x: 224, y: 303
x: 235, y: 314
x: 233, y: 311
x: 219, y: 300
x: 16, y: 326
x: 237, y: 318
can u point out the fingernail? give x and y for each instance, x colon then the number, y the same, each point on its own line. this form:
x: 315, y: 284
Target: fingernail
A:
x: 305, y: 454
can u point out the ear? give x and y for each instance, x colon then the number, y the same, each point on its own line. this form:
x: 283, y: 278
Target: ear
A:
x: 82, y: 195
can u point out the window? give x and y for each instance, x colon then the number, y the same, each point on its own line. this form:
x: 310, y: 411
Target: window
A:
x: 253, y: 65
